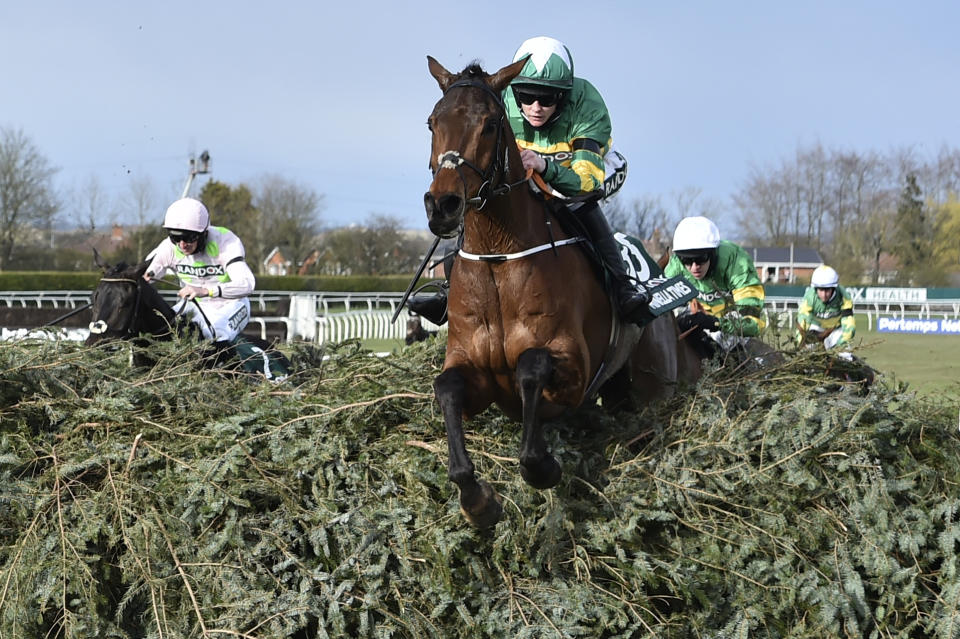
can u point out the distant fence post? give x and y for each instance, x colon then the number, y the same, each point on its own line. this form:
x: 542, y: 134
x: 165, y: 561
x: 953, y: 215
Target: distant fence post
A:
x: 303, y: 312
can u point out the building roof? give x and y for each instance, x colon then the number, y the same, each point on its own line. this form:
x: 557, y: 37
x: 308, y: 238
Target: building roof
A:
x: 802, y: 255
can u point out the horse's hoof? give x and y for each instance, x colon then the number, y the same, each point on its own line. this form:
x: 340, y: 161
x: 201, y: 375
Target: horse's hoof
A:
x: 542, y: 475
x: 485, y: 511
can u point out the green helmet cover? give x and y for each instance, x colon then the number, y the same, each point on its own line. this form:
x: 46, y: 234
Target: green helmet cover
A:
x: 550, y: 64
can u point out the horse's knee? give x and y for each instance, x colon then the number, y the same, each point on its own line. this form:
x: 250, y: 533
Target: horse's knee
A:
x: 449, y: 383
x: 534, y: 367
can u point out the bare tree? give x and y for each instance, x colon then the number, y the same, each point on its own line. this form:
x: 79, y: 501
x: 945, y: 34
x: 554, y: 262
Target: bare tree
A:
x: 92, y: 204
x: 139, y: 198
x: 26, y: 192
x: 289, y: 218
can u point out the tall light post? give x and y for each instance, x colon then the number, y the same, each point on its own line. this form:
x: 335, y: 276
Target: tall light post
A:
x: 198, y: 166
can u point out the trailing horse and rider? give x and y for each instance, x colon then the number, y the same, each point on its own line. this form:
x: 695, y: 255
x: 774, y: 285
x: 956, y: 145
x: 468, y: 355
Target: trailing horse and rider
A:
x: 214, y: 284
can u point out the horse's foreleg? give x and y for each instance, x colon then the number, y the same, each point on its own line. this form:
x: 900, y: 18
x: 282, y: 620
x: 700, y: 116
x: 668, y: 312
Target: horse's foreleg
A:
x: 537, y: 466
x: 479, y: 502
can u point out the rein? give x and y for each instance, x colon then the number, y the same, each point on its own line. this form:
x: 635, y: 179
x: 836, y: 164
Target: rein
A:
x: 498, y: 168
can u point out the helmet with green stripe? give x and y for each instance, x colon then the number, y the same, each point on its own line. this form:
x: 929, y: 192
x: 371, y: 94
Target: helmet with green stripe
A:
x: 548, y: 71
x: 550, y: 64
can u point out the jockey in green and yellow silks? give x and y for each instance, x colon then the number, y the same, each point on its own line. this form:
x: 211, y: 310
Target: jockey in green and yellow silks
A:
x: 572, y: 141
x: 826, y: 311
x: 562, y: 127
x: 730, y: 295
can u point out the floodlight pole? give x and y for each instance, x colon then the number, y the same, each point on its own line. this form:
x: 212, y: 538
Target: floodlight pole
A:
x: 196, y: 168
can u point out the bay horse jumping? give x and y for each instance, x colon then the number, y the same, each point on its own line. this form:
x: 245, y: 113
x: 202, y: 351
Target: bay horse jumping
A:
x: 531, y: 327
x: 125, y: 306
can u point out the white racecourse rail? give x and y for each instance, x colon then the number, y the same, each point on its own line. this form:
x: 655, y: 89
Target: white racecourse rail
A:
x: 320, y: 317
x: 337, y: 316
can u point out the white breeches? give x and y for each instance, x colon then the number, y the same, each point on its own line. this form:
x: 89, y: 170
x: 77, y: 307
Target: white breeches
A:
x: 221, y: 320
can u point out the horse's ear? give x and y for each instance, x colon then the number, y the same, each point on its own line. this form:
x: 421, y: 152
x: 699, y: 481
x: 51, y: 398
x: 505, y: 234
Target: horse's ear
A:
x: 99, y: 261
x: 499, y: 80
x: 444, y: 78
x: 141, y: 268
x: 662, y: 262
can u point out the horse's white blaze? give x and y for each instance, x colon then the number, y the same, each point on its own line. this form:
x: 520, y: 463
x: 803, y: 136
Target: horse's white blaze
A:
x: 98, y: 328
x: 449, y: 159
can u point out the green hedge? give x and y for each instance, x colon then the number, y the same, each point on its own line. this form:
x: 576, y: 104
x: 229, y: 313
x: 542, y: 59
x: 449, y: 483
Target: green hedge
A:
x: 78, y: 281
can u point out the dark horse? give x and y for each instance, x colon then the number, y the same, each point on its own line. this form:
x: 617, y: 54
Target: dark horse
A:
x: 127, y: 307
x: 531, y: 327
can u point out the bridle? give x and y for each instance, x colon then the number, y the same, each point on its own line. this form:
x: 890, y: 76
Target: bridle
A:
x: 132, y: 329
x: 499, y: 164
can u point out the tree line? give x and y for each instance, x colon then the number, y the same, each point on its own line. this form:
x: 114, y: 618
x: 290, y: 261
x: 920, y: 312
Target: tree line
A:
x: 272, y: 213
x: 856, y: 208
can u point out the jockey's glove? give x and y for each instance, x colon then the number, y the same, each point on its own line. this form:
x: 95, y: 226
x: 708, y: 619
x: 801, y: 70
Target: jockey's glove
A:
x: 702, y: 321
x: 189, y: 292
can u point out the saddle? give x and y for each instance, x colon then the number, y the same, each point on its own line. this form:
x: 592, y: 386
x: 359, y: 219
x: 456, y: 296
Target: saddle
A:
x: 666, y: 293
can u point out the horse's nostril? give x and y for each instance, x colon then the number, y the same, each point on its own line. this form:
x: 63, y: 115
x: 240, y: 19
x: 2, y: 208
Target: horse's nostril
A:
x: 450, y: 204
x: 429, y: 204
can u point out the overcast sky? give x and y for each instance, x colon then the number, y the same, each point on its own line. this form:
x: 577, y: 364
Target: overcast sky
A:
x: 334, y: 95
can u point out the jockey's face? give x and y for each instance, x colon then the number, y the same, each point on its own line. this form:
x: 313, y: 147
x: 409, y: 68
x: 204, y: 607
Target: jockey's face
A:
x: 186, y: 241
x: 697, y: 264
x: 188, y: 248
x: 825, y: 294
x: 537, y: 114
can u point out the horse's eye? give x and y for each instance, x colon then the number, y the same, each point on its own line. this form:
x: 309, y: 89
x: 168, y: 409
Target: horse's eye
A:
x: 430, y: 126
x: 489, y: 127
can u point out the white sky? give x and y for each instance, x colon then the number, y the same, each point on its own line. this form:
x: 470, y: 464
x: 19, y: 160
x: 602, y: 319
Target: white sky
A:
x: 335, y: 95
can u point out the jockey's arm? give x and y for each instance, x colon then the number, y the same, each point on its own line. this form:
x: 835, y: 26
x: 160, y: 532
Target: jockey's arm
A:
x: 158, y: 266
x: 242, y: 281
x: 804, y: 318
x: 585, y: 173
x: 848, y: 324
x: 748, y: 296
x: 745, y: 320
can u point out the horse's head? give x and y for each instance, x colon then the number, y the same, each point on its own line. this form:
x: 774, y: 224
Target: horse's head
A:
x: 118, y: 302
x: 471, y: 143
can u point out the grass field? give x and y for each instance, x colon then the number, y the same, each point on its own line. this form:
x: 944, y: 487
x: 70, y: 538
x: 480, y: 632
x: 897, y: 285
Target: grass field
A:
x: 928, y: 363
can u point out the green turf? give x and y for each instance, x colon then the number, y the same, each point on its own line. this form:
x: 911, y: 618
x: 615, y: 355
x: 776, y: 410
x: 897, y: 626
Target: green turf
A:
x: 928, y: 363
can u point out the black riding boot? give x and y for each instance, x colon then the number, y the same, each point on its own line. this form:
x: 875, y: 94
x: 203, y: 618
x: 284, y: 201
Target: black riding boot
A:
x: 431, y: 306
x: 632, y: 299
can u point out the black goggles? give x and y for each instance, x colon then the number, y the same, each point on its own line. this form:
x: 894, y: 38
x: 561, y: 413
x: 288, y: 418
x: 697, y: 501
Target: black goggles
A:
x: 183, y: 236
x: 545, y: 99
x: 699, y: 258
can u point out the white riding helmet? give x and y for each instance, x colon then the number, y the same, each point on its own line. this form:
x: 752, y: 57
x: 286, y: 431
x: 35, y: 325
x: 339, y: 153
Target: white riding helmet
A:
x: 695, y: 233
x: 187, y: 214
x: 824, y: 277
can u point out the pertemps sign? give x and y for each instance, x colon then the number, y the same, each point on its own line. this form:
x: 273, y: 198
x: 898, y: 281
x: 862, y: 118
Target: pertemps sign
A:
x: 921, y: 326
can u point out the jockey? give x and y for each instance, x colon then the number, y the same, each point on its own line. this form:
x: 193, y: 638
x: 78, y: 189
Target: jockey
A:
x: 826, y: 312
x: 563, y: 128
x: 209, y: 262
x: 729, y: 305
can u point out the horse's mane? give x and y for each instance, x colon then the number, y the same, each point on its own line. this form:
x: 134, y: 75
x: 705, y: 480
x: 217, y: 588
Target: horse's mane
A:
x: 120, y: 268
